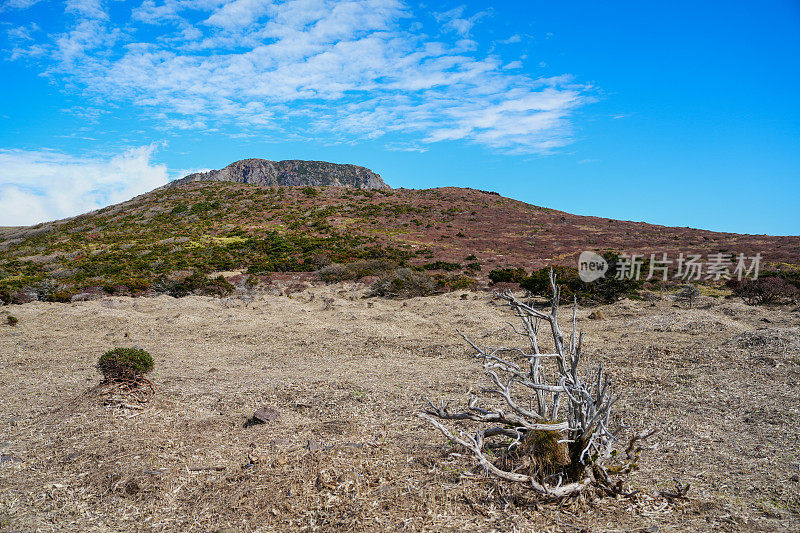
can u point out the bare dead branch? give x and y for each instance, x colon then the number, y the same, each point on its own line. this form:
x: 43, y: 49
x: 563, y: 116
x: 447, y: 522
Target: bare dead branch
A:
x: 572, y: 402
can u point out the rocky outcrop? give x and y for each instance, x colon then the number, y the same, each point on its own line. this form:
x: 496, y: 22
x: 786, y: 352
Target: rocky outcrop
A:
x: 292, y: 172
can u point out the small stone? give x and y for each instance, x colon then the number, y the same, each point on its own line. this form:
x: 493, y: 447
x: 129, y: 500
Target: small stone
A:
x: 266, y: 414
x: 132, y: 487
x: 7, y: 458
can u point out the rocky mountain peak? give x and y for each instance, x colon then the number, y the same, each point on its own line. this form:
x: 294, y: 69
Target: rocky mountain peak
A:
x: 291, y: 172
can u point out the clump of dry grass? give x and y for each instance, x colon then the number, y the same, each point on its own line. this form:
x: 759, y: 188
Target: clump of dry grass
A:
x: 404, y: 283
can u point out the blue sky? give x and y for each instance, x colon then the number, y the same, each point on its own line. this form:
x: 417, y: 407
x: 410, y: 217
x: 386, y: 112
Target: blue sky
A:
x: 679, y: 113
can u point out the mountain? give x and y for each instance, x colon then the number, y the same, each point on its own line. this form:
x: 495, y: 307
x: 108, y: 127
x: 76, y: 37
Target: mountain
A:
x: 291, y: 173
x: 212, y: 226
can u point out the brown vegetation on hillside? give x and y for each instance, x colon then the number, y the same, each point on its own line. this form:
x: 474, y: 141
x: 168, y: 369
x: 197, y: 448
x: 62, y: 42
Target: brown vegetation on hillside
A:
x: 458, y: 235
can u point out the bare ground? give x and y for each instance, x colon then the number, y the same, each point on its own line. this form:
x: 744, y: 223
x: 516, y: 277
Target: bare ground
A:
x: 347, y: 452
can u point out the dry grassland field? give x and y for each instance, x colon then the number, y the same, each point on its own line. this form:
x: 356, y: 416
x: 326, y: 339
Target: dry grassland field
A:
x: 346, y: 376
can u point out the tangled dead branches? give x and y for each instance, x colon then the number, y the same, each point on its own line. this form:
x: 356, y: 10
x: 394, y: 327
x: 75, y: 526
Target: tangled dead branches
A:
x: 553, y: 433
x: 126, y: 393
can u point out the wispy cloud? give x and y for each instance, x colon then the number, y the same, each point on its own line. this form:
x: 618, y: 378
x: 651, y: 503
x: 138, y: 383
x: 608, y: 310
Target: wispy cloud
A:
x: 339, y: 71
x: 405, y: 147
x: 36, y: 186
x: 8, y: 5
x: 455, y: 20
x: 513, y: 39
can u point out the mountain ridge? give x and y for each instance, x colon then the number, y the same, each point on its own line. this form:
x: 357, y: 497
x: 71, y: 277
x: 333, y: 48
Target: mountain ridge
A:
x: 290, y: 172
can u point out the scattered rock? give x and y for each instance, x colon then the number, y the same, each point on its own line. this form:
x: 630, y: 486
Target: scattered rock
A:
x: 266, y: 414
x: 263, y: 415
x: 8, y: 458
x: 71, y: 457
x: 132, y: 487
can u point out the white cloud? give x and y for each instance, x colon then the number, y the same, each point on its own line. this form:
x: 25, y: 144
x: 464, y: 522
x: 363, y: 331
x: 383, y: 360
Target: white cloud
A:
x: 511, y: 40
x: 333, y: 70
x: 17, y: 4
x: 405, y: 147
x: 454, y: 20
x: 36, y: 186
x: 86, y: 8
x: 239, y: 13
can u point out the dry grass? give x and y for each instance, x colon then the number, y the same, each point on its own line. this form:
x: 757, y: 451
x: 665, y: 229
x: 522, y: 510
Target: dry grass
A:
x: 347, y: 376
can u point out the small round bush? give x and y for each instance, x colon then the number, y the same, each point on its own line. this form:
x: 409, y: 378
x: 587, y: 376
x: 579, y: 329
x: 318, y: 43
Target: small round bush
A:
x: 12, y: 320
x: 122, y: 364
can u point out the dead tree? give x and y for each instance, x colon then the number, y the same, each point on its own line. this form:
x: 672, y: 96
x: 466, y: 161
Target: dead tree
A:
x: 688, y: 294
x: 553, y: 432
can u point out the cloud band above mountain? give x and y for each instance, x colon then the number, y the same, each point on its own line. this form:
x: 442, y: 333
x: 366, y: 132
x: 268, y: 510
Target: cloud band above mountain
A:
x: 338, y: 71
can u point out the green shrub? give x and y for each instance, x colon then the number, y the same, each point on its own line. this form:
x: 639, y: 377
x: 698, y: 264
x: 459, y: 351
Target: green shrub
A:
x: 607, y: 289
x: 12, y: 320
x: 309, y: 191
x: 538, y: 283
x: 136, y: 284
x: 179, y: 208
x: 507, y: 275
x: 218, y: 286
x: 203, y: 207
x: 404, y: 283
x: 442, y: 265
x: 63, y: 297
x: 196, y: 283
x: 125, y: 364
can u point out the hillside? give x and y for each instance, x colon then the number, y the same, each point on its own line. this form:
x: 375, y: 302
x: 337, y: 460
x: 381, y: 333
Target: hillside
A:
x: 222, y: 226
x: 290, y: 173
